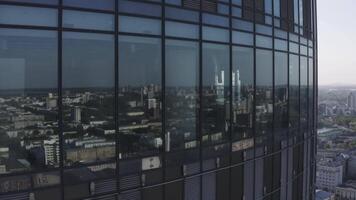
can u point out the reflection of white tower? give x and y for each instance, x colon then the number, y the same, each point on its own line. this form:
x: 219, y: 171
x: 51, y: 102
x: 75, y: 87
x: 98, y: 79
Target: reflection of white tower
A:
x: 76, y: 113
x: 219, y: 84
x: 236, y: 84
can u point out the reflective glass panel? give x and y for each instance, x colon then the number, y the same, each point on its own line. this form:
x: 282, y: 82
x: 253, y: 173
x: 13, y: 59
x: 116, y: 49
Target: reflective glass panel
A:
x: 88, y: 97
x: 280, y: 92
x: 88, y: 20
x: 20, y: 15
x: 28, y: 101
x: 140, y: 101
x: 242, y: 91
x: 216, y: 86
x: 93, y: 4
x: 293, y: 91
x: 303, y: 92
x: 264, y: 91
x: 182, y: 61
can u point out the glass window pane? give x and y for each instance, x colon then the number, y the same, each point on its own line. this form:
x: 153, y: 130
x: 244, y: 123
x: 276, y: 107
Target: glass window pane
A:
x: 140, y: 102
x: 177, y: 29
x: 20, y: 15
x: 237, y: 2
x: 242, y: 25
x: 280, y: 92
x: 215, y: 34
x: 242, y: 91
x: 215, y: 20
x: 139, y: 25
x: 242, y: 38
x: 181, y: 14
x: 293, y: 91
x: 88, y: 97
x: 263, y: 29
x: 182, y: 61
x: 216, y: 84
x: 293, y: 47
x: 236, y: 12
x: 139, y: 8
x: 277, y: 8
x: 88, y: 20
x: 28, y: 106
x: 303, y: 92
x: 264, y: 91
x: 94, y: 4
x: 268, y: 6
x: 280, y: 45
x: 51, y: 2
x: 263, y: 41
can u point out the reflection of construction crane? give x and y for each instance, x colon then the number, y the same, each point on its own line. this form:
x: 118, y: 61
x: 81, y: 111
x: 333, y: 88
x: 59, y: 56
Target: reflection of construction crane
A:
x: 337, y: 98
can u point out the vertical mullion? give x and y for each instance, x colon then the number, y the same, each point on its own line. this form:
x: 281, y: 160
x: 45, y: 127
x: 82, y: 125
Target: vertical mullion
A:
x: 60, y: 111
x: 254, y: 98
x: 163, y: 96
x: 230, y: 97
x: 200, y: 104
x: 116, y: 96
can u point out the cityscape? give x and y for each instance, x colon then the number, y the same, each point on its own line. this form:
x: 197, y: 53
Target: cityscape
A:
x: 336, y: 147
x: 168, y: 100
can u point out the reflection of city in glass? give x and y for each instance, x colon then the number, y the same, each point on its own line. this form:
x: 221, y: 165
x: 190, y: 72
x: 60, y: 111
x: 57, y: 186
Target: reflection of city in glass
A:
x: 164, y: 100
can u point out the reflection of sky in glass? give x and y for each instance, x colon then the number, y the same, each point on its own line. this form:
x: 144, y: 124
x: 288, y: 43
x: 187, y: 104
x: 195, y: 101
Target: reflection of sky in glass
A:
x: 28, y: 59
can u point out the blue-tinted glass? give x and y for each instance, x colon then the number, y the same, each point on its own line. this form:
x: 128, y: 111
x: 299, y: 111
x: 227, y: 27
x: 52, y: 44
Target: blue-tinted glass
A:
x: 94, y: 4
x: 215, y: 100
x: 174, y: 2
x: 293, y: 47
x: 215, y: 34
x: 20, y: 15
x: 293, y: 37
x: 140, y: 117
x: 263, y: 41
x: 182, y: 62
x: 242, y: 91
x: 236, y: 12
x: 281, y: 92
x: 177, y: 29
x: 303, y: 93
x: 88, y: 97
x: 215, y: 20
x: 223, y: 9
x: 88, y: 20
x: 263, y: 29
x: 264, y: 91
x: 242, y: 38
x: 242, y: 25
x: 139, y: 8
x: 237, y: 2
x: 28, y: 106
x: 181, y: 14
x: 296, y: 12
x: 303, y: 50
x: 51, y: 2
x: 281, y: 34
x: 293, y: 91
x: 277, y: 8
x: 268, y: 6
x: 280, y: 44
x: 139, y: 25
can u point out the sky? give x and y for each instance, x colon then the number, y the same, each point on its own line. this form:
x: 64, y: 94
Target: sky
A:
x: 337, y: 42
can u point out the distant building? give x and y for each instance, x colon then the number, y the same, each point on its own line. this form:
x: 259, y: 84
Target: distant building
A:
x: 51, y: 149
x: 329, y: 174
x: 323, y: 195
x: 76, y: 114
x: 351, y: 101
x: 346, y: 191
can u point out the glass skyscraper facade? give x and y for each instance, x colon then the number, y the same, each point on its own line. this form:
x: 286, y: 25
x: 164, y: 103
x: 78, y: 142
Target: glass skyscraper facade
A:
x: 157, y: 99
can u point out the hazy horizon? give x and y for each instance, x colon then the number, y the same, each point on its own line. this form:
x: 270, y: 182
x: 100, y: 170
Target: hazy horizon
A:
x: 336, y: 42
